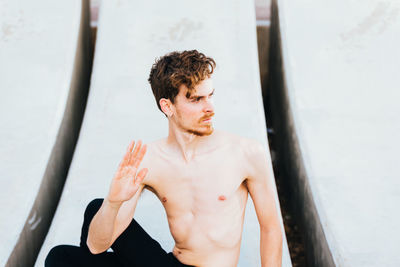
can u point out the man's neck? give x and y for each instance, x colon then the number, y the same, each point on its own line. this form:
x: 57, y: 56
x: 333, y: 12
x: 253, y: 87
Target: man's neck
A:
x: 186, y: 144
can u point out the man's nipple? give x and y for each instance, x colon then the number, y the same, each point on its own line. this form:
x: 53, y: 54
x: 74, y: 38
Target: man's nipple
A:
x: 164, y: 199
x: 222, y: 197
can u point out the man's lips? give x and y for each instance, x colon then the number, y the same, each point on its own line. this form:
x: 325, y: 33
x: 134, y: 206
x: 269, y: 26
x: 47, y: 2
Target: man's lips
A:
x: 207, y: 119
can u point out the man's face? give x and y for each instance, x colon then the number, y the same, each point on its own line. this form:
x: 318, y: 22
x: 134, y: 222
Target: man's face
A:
x: 193, y: 112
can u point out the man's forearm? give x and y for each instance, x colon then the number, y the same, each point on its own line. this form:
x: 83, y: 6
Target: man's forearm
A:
x: 102, y: 227
x: 271, y: 248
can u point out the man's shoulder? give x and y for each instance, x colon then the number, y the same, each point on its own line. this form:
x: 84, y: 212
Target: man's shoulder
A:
x: 241, y: 142
x: 249, y: 151
x: 152, y: 160
x: 155, y: 148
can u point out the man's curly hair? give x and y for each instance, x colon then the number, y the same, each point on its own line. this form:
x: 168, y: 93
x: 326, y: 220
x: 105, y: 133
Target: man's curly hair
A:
x: 169, y: 72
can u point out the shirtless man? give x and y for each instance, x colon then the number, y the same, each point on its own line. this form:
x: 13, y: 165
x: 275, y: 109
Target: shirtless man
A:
x: 201, y: 176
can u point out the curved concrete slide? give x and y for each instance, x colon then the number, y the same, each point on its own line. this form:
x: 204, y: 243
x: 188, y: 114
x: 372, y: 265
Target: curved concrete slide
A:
x: 44, y: 69
x: 338, y: 87
x: 121, y: 106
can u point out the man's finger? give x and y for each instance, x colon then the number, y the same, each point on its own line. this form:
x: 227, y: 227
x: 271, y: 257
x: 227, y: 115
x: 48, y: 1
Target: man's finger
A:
x: 138, y: 159
x: 139, y: 178
x: 135, y: 152
x: 125, y: 159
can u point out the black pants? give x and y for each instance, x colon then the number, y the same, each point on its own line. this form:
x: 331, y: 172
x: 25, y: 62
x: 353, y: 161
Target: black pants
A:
x: 133, y: 248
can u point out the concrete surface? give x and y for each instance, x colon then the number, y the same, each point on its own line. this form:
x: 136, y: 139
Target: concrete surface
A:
x: 44, y: 74
x: 121, y: 107
x: 338, y: 86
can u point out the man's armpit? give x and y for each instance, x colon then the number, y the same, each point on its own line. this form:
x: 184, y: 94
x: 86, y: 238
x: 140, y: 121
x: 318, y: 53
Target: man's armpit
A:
x: 148, y: 187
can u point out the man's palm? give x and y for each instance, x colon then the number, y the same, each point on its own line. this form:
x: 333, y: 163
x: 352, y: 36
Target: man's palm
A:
x: 127, y: 180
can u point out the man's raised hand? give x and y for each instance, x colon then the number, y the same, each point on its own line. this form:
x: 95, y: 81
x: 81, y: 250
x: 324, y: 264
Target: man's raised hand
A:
x: 127, y: 179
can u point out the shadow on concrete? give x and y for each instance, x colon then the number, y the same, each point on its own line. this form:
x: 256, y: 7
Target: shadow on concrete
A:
x: 293, y: 179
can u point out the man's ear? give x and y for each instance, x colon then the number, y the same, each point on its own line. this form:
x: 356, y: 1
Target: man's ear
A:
x: 166, y: 106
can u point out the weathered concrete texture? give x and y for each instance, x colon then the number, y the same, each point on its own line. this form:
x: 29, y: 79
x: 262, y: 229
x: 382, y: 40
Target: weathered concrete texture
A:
x: 44, y: 68
x: 336, y: 86
x: 121, y: 106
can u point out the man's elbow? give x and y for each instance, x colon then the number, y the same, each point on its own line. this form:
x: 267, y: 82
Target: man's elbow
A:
x: 93, y: 249
x: 273, y: 233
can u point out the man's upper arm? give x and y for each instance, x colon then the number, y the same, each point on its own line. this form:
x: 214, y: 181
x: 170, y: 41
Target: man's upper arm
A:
x: 261, y: 185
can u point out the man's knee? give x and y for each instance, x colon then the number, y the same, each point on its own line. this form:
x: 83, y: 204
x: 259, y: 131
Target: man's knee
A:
x: 56, y: 256
x: 91, y: 210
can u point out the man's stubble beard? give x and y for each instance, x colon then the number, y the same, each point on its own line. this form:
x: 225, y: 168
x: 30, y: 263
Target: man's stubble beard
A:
x: 207, y: 132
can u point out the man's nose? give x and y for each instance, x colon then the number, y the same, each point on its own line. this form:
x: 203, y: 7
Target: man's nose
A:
x: 209, y: 105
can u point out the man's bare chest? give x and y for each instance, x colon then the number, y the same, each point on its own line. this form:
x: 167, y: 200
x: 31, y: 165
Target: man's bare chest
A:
x: 205, y: 185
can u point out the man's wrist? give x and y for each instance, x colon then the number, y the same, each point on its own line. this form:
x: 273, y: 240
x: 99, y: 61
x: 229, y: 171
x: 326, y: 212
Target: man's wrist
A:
x: 113, y: 204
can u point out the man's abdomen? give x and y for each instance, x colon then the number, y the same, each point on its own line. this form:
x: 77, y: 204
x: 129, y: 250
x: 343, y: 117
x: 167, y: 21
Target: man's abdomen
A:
x: 208, y: 239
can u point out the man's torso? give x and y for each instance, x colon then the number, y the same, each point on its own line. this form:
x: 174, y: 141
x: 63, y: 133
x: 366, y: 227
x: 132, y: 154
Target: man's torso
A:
x: 204, y: 199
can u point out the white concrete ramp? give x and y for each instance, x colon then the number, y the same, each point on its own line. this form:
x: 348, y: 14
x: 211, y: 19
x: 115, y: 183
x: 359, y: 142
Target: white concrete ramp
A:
x: 121, y: 106
x: 43, y: 71
x: 341, y: 64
